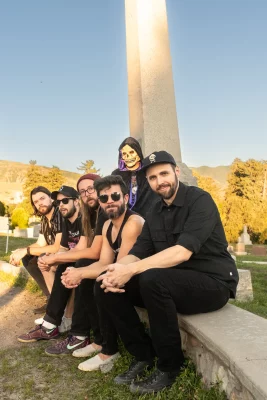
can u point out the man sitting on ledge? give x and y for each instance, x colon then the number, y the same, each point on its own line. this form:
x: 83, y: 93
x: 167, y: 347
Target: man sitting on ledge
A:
x: 179, y: 263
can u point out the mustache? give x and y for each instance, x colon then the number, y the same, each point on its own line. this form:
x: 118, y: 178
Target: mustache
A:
x: 162, y: 186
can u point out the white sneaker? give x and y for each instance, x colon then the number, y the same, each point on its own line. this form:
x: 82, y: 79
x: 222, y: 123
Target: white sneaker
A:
x: 65, y: 325
x: 86, y: 351
x: 96, y: 363
x: 39, y: 321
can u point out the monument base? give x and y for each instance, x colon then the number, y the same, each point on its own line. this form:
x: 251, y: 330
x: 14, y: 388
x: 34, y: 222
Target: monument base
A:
x: 186, y: 175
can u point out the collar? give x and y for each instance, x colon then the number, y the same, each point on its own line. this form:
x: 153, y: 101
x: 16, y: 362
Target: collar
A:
x: 178, y: 200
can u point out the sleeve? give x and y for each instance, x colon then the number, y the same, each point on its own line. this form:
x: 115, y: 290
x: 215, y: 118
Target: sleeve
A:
x: 100, y: 223
x: 64, y: 238
x: 202, y: 218
x: 143, y: 246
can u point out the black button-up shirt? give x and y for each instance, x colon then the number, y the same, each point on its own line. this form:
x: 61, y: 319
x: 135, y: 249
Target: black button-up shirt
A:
x: 191, y: 221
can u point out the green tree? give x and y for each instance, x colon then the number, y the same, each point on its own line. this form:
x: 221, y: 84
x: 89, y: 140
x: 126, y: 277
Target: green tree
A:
x: 54, y: 179
x: 33, y: 178
x: 2, y: 209
x: 20, y: 217
x: 88, y: 167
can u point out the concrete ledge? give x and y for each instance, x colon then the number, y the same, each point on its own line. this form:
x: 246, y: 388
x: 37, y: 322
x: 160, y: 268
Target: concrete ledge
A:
x: 11, y: 269
x: 229, y: 346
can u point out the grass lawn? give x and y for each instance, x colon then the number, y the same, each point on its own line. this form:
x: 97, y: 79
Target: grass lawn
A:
x: 13, y: 244
x: 31, y: 374
x: 259, y: 282
x: 27, y: 373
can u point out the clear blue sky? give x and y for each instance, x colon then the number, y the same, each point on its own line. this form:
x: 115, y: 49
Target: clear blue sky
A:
x: 63, y: 80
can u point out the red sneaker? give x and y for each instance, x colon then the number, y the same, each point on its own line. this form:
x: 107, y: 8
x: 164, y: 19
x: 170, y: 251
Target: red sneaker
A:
x: 39, y: 333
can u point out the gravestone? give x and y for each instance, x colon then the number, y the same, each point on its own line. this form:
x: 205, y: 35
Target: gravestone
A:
x: 3, y: 224
x: 244, y: 237
x: 258, y: 250
x: 240, y: 249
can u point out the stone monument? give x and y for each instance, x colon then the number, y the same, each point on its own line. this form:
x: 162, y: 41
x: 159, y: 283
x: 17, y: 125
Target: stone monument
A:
x: 244, y: 237
x: 152, y: 108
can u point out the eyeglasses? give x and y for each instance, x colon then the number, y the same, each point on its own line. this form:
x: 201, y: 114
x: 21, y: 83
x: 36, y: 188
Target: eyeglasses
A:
x: 103, y: 198
x: 64, y: 201
x: 89, y: 190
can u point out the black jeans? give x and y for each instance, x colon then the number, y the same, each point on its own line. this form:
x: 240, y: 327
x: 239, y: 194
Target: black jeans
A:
x: 30, y: 263
x: 163, y: 292
x: 85, y: 316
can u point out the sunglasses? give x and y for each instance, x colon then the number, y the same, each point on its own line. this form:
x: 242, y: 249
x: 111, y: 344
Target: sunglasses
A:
x: 89, y: 190
x: 103, y: 198
x: 64, y: 201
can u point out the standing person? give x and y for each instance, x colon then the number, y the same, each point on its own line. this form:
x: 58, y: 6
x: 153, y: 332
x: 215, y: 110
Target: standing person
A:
x: 48, y: 240
x: 179, y: 263
x: 141, y: 197
x: 119, y: 235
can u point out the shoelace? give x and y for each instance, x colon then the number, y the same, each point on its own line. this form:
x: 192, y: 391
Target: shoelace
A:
x: 70, y: 339
x: 153, y: 377
x: 36, y: 329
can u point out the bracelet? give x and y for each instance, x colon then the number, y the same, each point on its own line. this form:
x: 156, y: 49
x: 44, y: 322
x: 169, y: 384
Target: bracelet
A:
x: 28, y: 250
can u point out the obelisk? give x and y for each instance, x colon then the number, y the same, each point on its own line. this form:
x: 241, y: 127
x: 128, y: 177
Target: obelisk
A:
x: 152, y: 108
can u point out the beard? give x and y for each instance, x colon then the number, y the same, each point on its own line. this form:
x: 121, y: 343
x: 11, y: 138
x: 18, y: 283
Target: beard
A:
x: 115, y: 214
x: 93, y: 207
x: 70, y: 213
x: 169, y: 193
x: 46, y: 209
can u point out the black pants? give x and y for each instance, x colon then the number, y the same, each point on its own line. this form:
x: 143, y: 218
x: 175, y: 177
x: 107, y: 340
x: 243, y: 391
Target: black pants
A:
x: 30, y: 263
x: 163, y: 292
x: 85, y: 316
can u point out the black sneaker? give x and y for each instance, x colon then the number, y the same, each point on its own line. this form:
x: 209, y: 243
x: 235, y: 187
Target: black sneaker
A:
x: 156, y: 382
x: 136, y: 368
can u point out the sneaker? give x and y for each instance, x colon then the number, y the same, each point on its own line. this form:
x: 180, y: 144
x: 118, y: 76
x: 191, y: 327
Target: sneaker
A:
x: 136, y: 368
x: 39, y: 321
x: 86, y: 351
x: 39, y: 333
x: 96, y: 362
x: 67, y: 346
x: 156, y: 382
x: 65, y: 325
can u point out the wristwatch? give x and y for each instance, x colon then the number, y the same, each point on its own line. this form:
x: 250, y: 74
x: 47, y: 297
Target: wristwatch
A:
x: 28, y: 250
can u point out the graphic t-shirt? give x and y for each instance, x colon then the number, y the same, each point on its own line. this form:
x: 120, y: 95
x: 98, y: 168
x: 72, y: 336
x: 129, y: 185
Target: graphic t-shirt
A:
x: 71, y: 232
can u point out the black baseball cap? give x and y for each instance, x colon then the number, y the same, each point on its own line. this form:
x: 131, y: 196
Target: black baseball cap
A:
x: 67, y: 191
x: 158, y: 157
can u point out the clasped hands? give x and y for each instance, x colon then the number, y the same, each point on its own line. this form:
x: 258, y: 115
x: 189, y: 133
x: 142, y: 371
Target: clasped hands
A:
x: 115, y: 277
x: 46, y: 261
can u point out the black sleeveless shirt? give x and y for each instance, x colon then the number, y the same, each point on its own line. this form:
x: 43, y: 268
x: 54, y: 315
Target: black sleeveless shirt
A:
x: 117, y: 243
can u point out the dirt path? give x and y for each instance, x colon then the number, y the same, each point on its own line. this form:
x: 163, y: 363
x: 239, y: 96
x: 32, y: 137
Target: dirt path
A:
x: 16, y: 315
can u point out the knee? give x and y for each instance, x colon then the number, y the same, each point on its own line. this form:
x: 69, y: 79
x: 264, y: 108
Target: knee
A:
x: 150, y: 279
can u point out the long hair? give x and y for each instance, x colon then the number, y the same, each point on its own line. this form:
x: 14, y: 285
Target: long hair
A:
x: 36, y: 190
x: 87, y: 216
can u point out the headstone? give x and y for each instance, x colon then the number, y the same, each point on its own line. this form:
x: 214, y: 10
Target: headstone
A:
x: 3, y: 224
x: 244, y: 237
x: 240, y: 249
x: 258, y: 250
x: 152, y: 107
